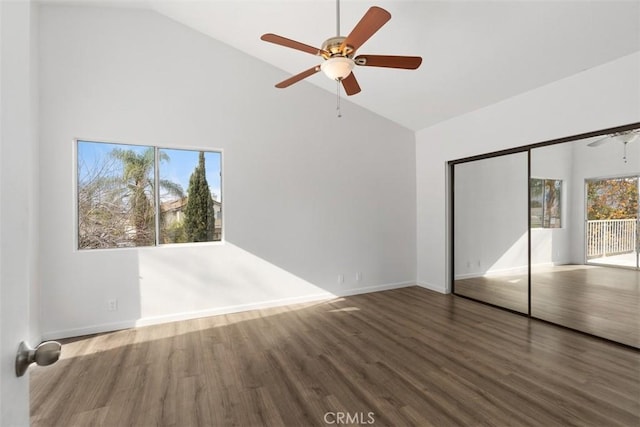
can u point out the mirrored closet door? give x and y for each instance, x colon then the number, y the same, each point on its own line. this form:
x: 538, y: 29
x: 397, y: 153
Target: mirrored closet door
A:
x: 584, y: 236
x: 552, y: 231
x: 490, y: 231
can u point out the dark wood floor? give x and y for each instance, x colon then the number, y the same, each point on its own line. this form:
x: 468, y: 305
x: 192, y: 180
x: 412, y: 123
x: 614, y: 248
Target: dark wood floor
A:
x: 599, y: 300
x: 409, y: 356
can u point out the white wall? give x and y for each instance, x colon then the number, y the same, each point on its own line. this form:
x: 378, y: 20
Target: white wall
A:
x: 18, y: 203
x: 306, y: 196
x: 598, y: 98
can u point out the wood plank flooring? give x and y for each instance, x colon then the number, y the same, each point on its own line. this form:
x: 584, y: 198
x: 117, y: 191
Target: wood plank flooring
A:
x: 602, y: 301
x: 409, y: 356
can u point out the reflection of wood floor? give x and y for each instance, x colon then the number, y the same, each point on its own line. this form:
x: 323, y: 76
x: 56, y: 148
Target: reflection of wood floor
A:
x: 599, y: 300
x: 504, y: 290
x: 410, y: 356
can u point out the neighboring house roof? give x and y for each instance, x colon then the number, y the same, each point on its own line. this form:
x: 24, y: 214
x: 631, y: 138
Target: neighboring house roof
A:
x: 180, y: 204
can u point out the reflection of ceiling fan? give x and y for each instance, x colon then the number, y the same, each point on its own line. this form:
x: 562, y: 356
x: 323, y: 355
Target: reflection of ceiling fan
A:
x: 625, y: 137
x: 338, y: 52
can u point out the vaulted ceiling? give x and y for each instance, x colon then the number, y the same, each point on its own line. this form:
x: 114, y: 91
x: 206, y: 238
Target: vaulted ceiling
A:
x: 475, y: 52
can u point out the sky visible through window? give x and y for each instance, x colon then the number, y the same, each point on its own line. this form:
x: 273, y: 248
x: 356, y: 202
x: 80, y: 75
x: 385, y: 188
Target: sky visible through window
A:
x: 183, y: 162
x: 178, y: 169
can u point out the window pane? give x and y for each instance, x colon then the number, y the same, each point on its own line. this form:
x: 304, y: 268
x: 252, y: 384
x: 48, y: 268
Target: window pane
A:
x: 546, y: 203
x: 115, y: 195
x: 190, y: 196
x: 614, y: 198
x: 552, y: 197
x: 537, y: 191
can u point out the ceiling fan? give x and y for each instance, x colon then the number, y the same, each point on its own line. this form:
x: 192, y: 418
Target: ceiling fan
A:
x: 625, y: 137
x: 339, y: 52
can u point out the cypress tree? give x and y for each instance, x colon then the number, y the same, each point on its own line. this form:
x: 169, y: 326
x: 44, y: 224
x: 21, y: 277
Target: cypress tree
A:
x: 199, y: 220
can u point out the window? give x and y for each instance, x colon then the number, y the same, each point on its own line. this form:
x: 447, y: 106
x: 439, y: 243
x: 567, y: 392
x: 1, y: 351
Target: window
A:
x: 546, y: 203
x: 612, y: 198
x: 131, y: 195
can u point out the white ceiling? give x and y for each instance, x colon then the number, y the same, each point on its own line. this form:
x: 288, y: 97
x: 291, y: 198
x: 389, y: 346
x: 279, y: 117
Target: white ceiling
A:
x: 475, y: 53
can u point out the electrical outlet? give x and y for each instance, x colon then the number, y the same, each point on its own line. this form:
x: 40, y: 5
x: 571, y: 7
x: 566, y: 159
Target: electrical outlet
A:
x: 358, y: 276
x: 112, y: 305
x: 340, y: 278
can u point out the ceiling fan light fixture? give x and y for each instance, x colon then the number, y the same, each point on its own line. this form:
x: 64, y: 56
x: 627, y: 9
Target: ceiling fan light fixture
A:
x: 338, y: 67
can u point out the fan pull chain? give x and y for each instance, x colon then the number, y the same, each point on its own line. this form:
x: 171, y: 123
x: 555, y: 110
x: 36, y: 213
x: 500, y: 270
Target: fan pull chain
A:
x: 625, y: 152
x: 338, y: 99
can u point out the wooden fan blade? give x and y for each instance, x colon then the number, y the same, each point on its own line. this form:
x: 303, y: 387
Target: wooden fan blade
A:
x: 389, y: 61
x: 371, y: 22
x: 294, y: 79
x: 283, y: 41
x: 350, y: 84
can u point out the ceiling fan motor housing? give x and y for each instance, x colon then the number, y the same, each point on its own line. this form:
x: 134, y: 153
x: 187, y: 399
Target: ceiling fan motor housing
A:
x: 333, y: 47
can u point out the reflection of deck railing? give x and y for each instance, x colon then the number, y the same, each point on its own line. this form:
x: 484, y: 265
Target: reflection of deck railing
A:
x: 611, y: 237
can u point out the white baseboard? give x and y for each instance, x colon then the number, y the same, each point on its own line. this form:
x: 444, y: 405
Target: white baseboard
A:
x: 88, y: 330
x: 376, y: 288
x: 156, y: 320
x: 432, y: 287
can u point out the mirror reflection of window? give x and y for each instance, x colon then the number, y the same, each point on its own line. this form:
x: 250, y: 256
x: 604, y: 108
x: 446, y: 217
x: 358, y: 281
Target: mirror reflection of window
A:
x: 552, y: 200
x: 546, y: 203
